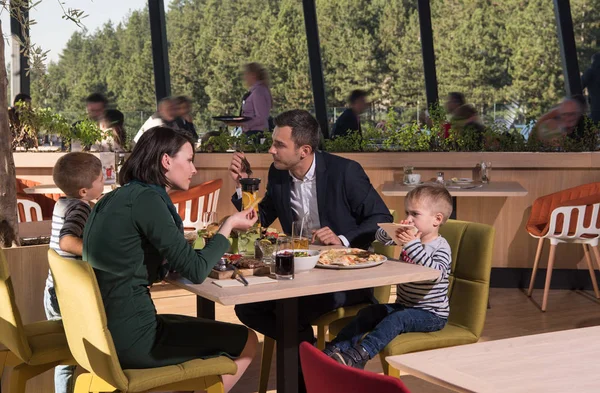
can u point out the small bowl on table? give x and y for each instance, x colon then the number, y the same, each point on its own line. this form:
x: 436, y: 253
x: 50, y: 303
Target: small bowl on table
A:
x: 305, y: 263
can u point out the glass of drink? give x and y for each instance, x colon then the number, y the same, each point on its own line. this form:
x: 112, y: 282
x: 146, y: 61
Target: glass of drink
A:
x: 486, y: 169
x: 284, y: 259
x: 301, y: 233
x: 408, y: 170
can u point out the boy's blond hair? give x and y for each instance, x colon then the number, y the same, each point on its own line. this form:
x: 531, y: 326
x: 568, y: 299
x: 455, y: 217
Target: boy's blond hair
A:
x: 437, y: 198
x: 75, y: 171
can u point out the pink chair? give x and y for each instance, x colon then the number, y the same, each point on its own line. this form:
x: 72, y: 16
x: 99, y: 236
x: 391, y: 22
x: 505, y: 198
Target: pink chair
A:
x: 325, y: 375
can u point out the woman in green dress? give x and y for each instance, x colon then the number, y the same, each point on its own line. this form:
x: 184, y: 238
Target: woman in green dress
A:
x: 133, y: 236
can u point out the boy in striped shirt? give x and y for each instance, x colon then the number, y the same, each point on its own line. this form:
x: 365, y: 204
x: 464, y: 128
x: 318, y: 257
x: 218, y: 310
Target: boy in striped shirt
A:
x: 419, y: 307
x: 80, y: 177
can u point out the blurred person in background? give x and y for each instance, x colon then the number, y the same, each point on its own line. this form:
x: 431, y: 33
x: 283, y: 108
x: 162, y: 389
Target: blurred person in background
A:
x: 185, y: 120
x: 591, y: 81
x: 95, y: 105
x: 564, y: 120
x: 257, y: 102
x: 166, y: 116
x: 349, y: 120
x: 113, y: 124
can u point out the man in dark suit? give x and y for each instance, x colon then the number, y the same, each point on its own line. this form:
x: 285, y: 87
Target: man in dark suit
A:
x: 349, y: 120
x: 334, y: 192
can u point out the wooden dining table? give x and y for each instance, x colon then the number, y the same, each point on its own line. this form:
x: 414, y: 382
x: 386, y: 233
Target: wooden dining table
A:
x: 558, y: 362
x: 286, y: 294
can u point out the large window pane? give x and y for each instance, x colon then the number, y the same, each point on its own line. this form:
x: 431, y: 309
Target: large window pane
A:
x: 504, y: 56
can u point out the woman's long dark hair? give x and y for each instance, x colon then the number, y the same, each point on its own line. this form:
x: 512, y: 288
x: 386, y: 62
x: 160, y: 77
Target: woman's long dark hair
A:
x: 145, y: 162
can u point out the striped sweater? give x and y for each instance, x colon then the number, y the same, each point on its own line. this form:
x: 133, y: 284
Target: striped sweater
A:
x: 427, y: 295
x: 68, y: 218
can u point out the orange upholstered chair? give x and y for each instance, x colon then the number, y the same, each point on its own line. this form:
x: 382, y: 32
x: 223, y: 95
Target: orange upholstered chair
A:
x: 195, y: 201
x: 568, y: 216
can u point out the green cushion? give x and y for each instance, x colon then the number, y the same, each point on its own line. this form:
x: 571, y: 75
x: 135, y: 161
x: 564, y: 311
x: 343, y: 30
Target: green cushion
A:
x: 449, y: 336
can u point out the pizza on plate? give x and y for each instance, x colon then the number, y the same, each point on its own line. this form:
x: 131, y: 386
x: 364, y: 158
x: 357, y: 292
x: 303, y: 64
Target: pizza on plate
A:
x: 348, y: 257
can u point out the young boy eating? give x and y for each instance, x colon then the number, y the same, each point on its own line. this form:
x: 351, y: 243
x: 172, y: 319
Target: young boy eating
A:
x: 419, y: 307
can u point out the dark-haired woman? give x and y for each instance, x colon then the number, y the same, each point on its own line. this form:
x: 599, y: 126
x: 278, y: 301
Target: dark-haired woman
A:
x: 112, y: 123
x: 130, y: 233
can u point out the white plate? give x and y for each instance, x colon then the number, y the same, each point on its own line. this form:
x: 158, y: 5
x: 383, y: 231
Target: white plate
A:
x: 463, y: 181
x: 359, y: 266
x: 412, y: 185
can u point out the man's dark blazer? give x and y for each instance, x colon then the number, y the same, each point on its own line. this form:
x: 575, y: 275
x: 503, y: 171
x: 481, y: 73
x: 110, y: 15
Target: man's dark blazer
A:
x: 348, y: 203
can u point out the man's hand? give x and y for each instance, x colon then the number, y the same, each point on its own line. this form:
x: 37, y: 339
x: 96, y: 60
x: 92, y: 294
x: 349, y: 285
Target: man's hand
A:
x: 236, y: 168
x: 327, y: 237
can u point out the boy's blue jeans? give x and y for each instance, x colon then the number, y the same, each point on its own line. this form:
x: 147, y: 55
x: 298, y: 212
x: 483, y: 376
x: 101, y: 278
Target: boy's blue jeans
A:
x: 63, y: 375
x: 382, y: 323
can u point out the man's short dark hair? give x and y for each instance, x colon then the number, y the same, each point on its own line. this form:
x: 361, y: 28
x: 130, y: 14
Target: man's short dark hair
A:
x: 181, y: 100
x: 356, y: 95
x: 305, y: 128
x: 145, y: 162
x: 75, y: 171
x: 96, y: 98
x: 21, y: 97
x: 459, y: 98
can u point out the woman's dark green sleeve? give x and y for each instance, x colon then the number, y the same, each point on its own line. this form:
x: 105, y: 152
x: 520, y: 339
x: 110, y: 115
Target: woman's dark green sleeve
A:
x: 153, y: 219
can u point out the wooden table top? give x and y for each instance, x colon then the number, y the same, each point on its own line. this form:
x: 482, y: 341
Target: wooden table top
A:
x: 313, y: 282
x: 476, y: 189
x: 563, y: 361
x: 53, y: 189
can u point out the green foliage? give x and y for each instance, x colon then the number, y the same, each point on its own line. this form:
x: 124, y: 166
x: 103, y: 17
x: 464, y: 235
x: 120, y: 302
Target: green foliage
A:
x: 349, y: 143
x: 223, y: 142
x: 87, y: 131
x: 39, y: 121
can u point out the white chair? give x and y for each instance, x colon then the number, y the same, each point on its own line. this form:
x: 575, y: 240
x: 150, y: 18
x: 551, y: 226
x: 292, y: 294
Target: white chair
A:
x: 193, y: 203
x: 25, y: 215
x: 586, y: 235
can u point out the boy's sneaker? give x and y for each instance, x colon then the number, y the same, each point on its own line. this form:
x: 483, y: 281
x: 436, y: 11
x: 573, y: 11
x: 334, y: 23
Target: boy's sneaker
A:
x: 331, y: 350
x: 356, y: 357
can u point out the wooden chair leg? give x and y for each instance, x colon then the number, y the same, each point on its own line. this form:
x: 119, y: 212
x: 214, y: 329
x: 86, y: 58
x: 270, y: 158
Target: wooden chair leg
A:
x: 265, y: 364
x: 588, y: 260
x: 548, y: 275
x: 393, y: 372
x: 536, y: 262
x: 596, y: 255
x: 321, y: 336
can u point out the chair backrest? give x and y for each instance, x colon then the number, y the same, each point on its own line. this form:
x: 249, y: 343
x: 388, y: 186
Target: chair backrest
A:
x: 28, y: 211
x: 538, y: 223
x: 191, y: 204
x: 46, y: 201
x: 324, y: 375
x: 12, y: 335
x: 87, y: 332
x: 577, y: 222
x: 472, y: 247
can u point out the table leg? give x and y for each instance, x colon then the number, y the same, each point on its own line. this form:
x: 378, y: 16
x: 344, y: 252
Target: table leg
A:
x: 287, y: 345
x: 205, y: 308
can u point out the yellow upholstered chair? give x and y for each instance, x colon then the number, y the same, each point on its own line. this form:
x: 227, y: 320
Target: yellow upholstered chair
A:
x: 382, y: 294
x: 92, y: 345
x: 472, y: 246
x: 26, y: 350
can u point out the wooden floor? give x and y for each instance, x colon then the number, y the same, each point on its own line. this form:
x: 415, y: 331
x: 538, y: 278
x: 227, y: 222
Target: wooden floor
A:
x: 512, y: 314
